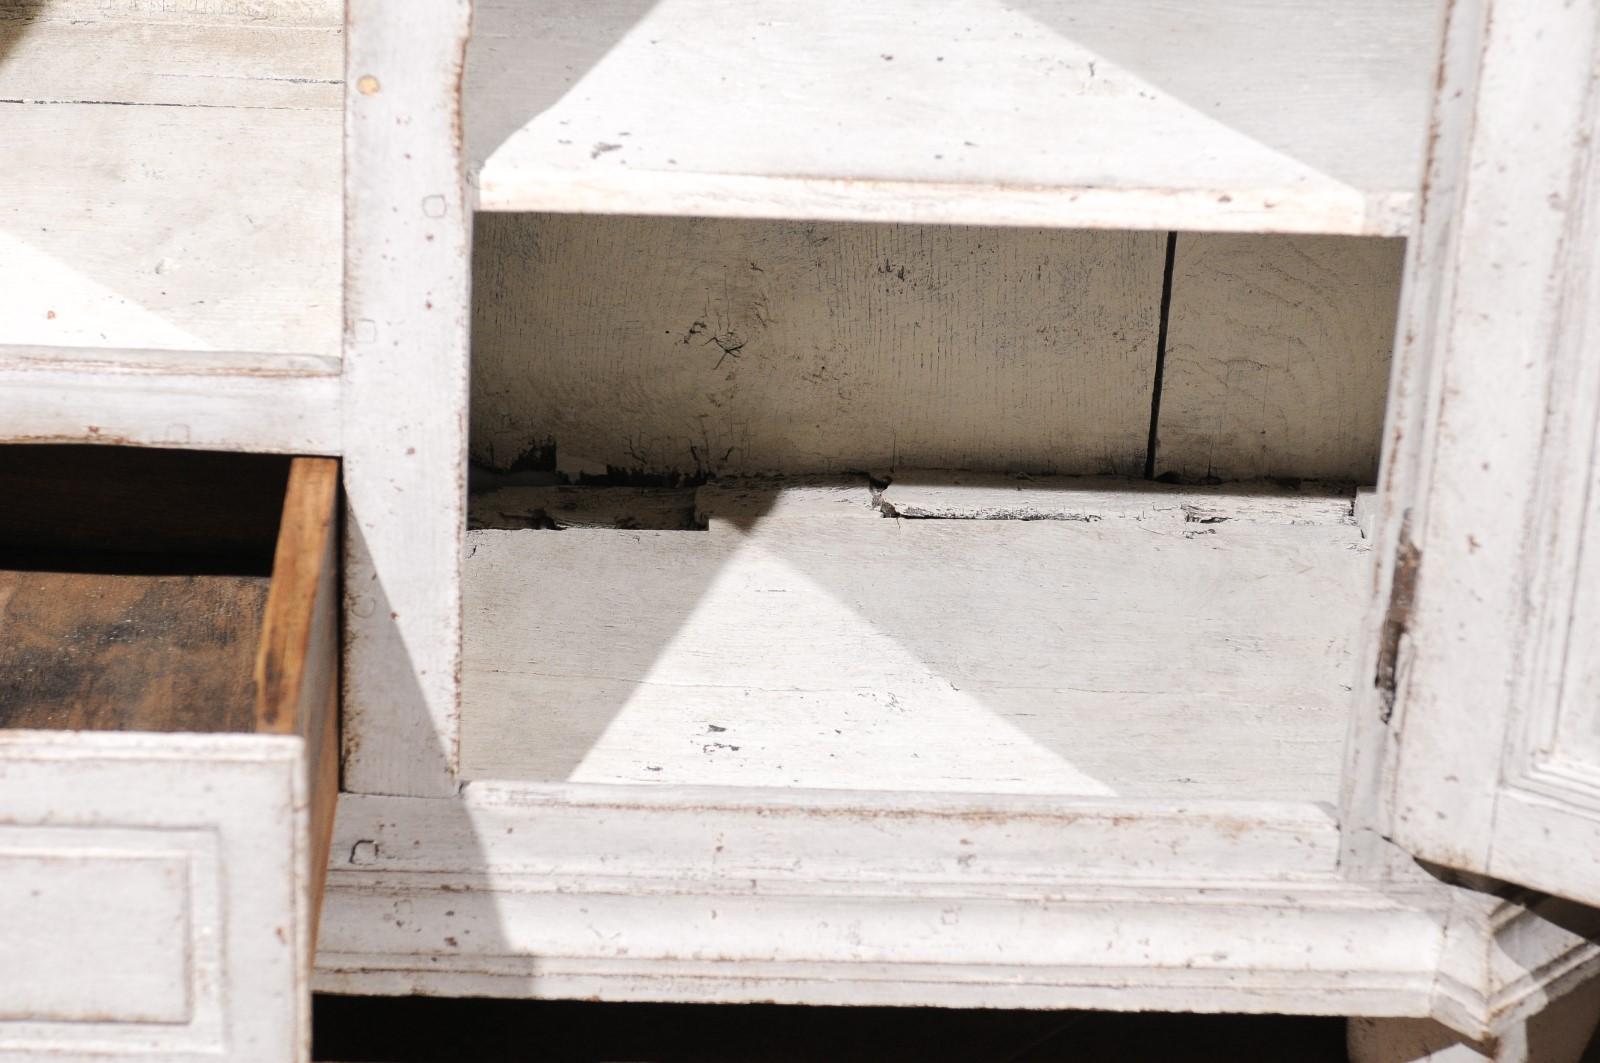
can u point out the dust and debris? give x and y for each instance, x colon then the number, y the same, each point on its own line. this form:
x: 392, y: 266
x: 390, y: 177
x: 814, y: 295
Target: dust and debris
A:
x: 601, y: 147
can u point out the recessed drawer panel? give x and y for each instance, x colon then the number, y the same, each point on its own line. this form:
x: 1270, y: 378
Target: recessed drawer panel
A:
x: 104, y: 923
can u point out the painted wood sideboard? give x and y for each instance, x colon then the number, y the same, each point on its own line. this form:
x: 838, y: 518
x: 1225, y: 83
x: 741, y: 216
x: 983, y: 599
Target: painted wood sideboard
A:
x: 1067, y: 504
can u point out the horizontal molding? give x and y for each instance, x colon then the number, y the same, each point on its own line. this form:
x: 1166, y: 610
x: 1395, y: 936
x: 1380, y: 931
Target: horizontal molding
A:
x: 645, y: 893
x: 202, y: 400
x: 902, y: 839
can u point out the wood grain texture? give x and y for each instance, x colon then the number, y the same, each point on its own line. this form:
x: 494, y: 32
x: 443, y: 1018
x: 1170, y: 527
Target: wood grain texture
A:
x: 703, y: 346
x: 147, y: 214
x: 830, y: 647
x: 90, y: 651
x: 297, y: 662
x: 1229, y: 116
x: 230, y: 400
x: 408, y: 232
x: 1278, y: 357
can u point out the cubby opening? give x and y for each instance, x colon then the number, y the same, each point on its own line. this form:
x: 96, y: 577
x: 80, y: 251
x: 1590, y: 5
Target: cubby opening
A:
x: 919, y: 508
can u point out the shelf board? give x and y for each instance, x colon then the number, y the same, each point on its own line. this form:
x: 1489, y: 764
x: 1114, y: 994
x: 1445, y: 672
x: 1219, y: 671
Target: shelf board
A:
x: 176, y: 175
x: 1250, y: 115
x: 1107, y: 640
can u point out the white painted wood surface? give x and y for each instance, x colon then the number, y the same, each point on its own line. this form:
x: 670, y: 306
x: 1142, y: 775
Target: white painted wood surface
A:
x: 724, y: 894
x: 176, y: 177
x: 154, y: 895
x: 1490, y: 616
x: 704, y: 345
x: 824, y: 645
x: 226, y: 400
x: 405, y: 395
x: 1277, y: 358
x: 1256, y: 115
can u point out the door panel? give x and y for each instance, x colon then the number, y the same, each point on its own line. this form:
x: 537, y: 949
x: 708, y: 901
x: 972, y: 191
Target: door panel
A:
x: 1484, y: 722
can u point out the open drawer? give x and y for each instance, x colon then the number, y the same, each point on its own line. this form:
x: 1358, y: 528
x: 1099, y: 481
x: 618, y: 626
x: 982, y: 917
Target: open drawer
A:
x: 168, y: 750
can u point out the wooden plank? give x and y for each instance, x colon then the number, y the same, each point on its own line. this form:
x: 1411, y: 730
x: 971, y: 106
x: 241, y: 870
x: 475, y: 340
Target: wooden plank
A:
x: 144, y: 213
x: 230, y: 400
x: 1191, y: 115
x: 1118, y: 657
x: 297, y: 662
x: 669, y: 345
x: 405, y: 394
x: 1278, y: 357
x: 128, y: 652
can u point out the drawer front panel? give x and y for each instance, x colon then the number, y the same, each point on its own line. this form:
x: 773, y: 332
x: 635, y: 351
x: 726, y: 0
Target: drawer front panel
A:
x: 152, y: 900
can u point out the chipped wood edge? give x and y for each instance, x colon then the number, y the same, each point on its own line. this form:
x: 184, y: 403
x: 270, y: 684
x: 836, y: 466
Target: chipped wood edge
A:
x: 952, y: 495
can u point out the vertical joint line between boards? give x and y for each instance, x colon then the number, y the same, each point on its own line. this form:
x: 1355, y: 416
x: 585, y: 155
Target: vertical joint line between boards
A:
x: 1161, y: 357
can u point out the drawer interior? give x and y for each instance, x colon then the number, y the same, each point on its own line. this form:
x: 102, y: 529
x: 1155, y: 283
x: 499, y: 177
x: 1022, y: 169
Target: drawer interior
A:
x: 919, y: 508
x: 152, y: 590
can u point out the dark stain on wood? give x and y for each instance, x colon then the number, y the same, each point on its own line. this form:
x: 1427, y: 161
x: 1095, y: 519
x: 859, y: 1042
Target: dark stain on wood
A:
x: 129, y: 652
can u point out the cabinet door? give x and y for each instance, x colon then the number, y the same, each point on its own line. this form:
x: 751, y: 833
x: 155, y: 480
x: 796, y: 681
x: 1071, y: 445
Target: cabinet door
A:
x: 1486, y: 659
